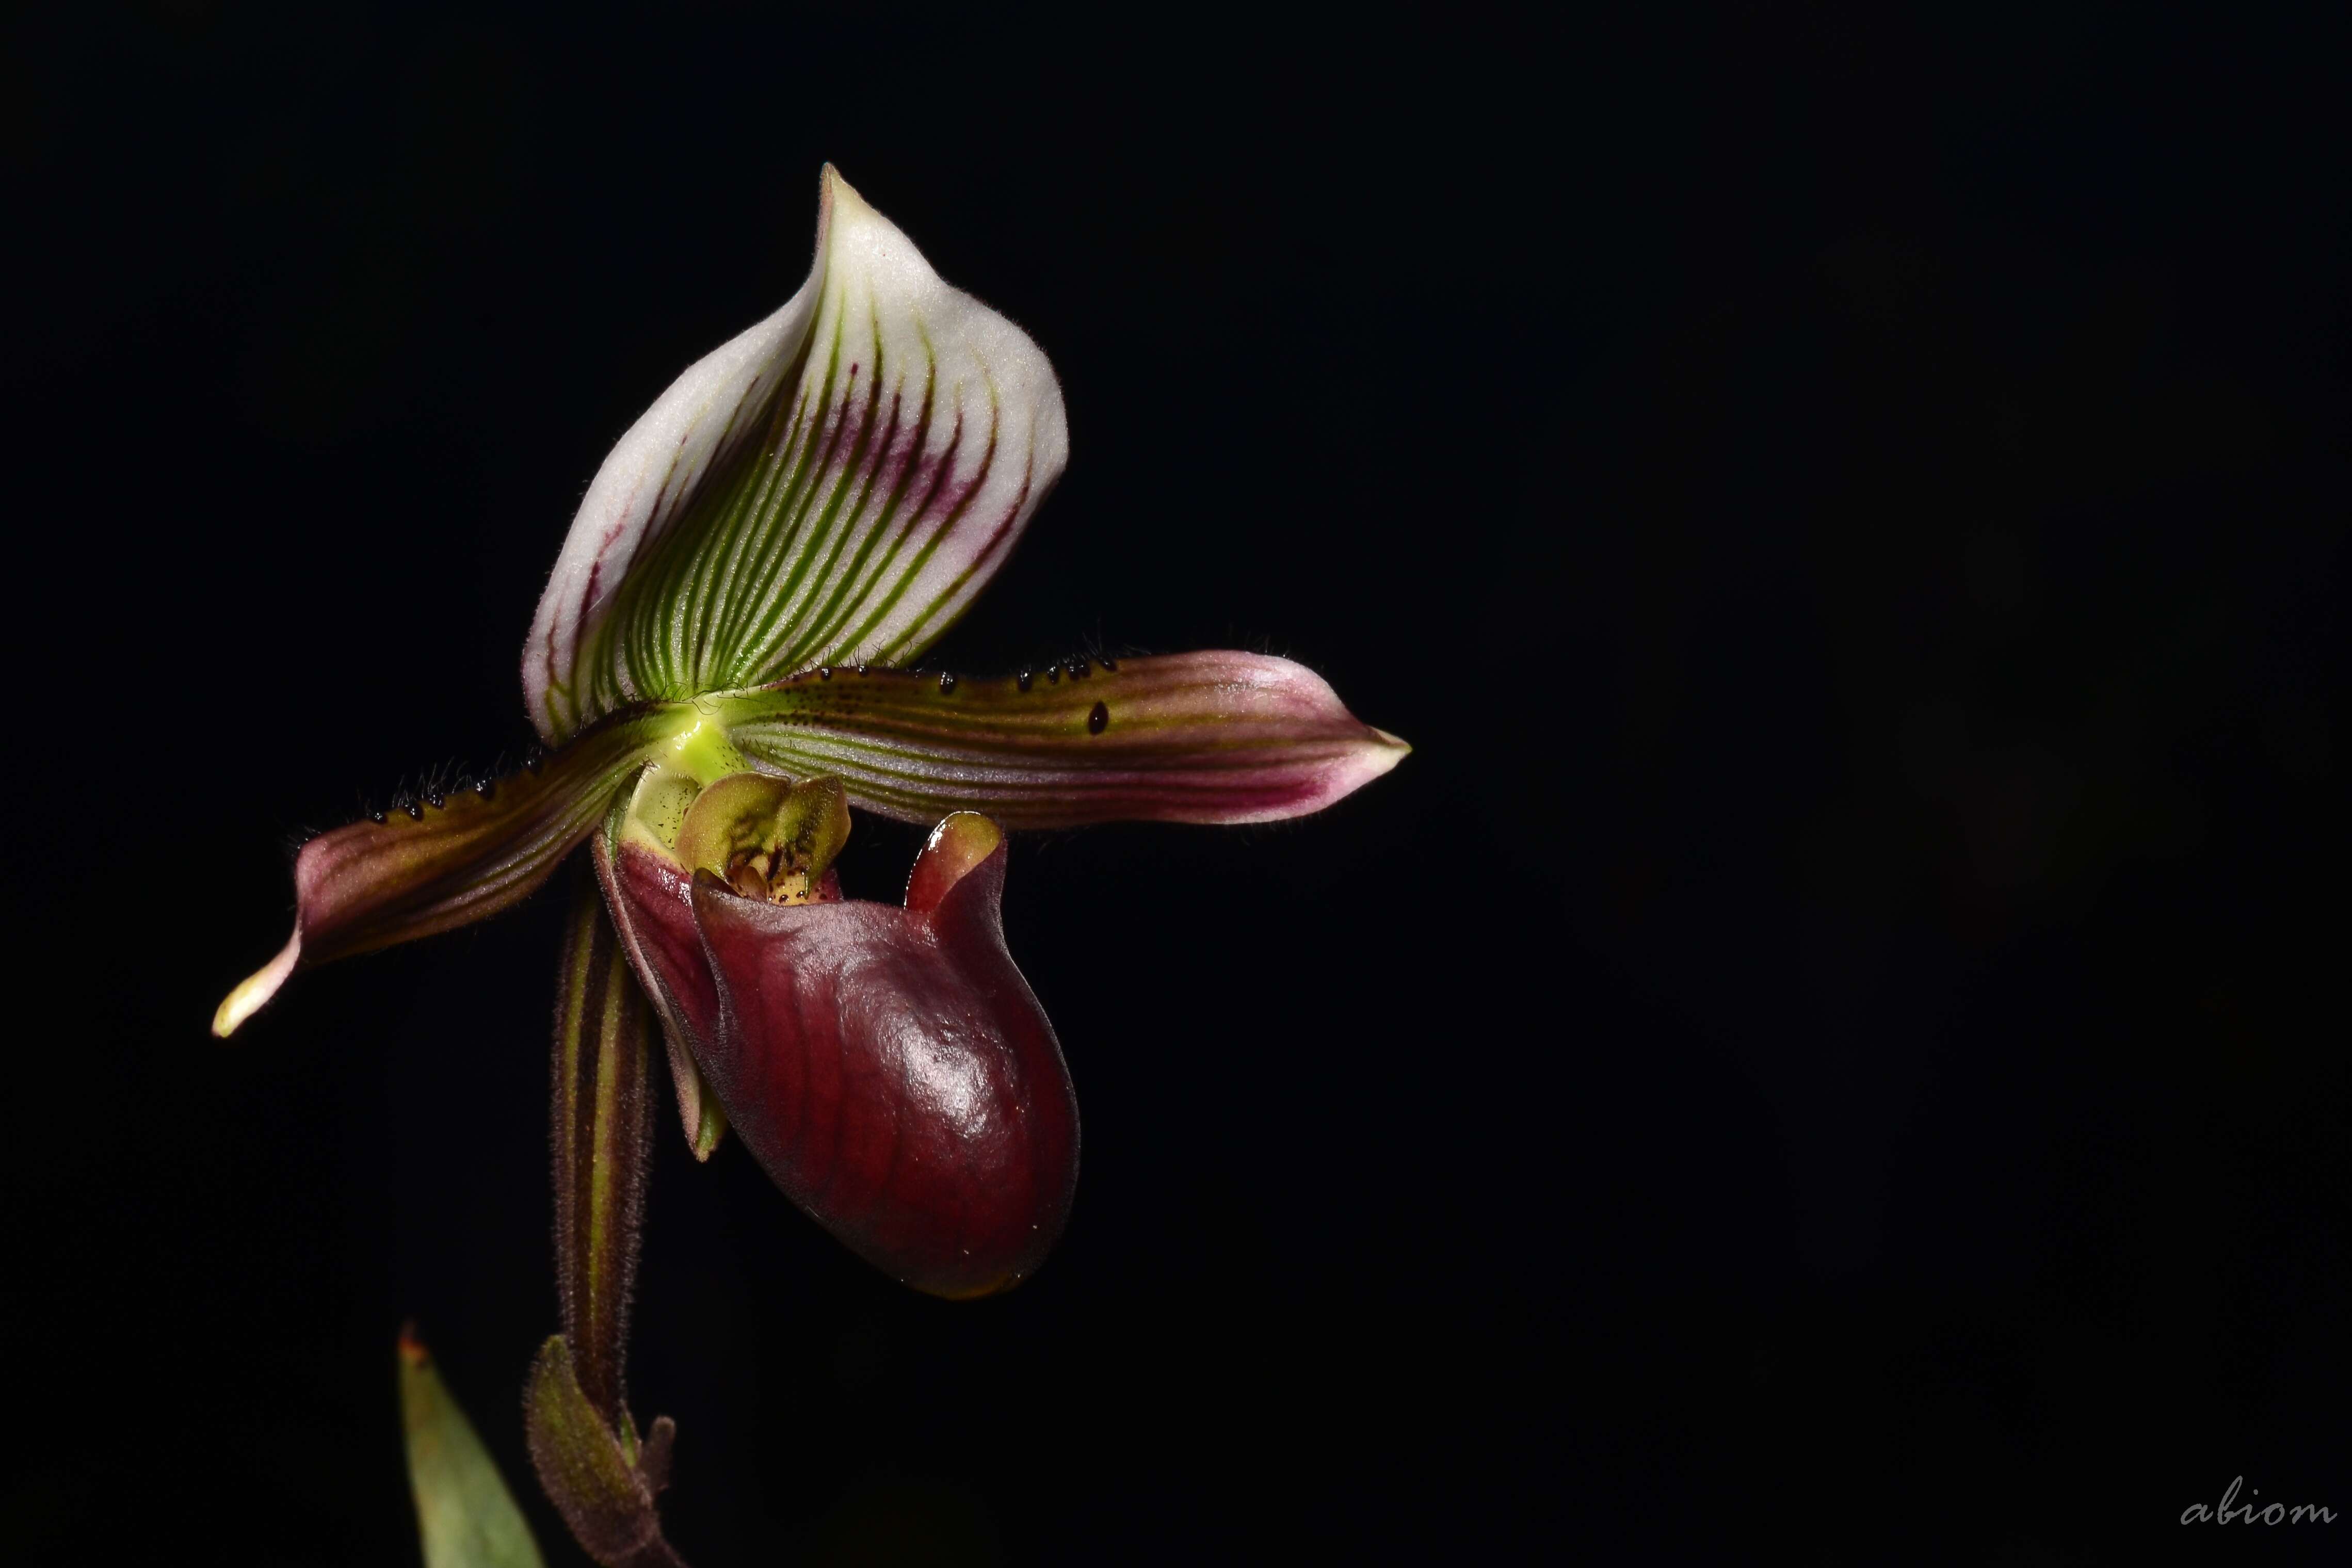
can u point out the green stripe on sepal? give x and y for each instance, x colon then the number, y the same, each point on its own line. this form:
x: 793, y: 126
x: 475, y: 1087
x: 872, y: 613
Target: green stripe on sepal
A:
x: 1188, y: 737
x: 466, y: 1518
x: 835, y: 484
x: 447, y: 860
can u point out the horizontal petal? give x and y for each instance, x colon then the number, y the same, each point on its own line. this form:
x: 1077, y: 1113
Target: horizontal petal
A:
x: 447, y: 860
x: 835, y: 485
x: 1188, y: 737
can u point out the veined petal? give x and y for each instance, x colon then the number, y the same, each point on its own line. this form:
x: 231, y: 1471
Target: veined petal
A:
x: 447, y: 860
x: 1188, y: 737
x: 836, y: 484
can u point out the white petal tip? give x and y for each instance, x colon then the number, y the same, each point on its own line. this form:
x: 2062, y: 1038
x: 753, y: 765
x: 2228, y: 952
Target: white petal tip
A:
x: 257, y: 988
x: 1377, y: 754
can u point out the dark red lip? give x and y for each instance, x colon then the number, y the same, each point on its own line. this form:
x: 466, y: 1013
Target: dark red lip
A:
x: 889, y: 1068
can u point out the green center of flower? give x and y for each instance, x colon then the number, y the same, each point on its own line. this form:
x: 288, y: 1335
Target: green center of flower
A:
x: 760, y: 836
x: 701, y: 750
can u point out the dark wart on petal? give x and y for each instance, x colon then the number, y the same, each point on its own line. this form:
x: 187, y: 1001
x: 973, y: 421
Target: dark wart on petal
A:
x: 1098, y: 720
x: 946, y: 684
x: 413, y: 804
x: 1025, y: 679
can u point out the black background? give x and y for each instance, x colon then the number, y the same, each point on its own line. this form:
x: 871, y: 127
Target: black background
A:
x: 1834, y: 1037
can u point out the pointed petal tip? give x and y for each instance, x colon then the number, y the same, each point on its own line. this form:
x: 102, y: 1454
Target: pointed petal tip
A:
x: 1215, y: 736
x: 256, y: 989
x: 1374, y: 755
x: 836, y: 195
x: 1379, y: 755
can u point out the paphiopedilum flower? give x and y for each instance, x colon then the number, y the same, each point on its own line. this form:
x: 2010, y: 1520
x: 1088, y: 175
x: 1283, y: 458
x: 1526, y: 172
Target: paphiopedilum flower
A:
x: 718, y: 668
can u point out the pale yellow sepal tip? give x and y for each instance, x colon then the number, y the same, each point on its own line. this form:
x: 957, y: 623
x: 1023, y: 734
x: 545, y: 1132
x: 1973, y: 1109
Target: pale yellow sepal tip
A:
x: 258, y: 987
x: 1385, y: 752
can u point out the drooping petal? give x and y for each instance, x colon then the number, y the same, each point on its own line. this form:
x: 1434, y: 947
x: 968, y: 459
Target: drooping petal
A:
x: 465, y: 1515
x: 600, y: 1117
x: 1188, y: 738
x: 835, y: 485
x: 445, y: 861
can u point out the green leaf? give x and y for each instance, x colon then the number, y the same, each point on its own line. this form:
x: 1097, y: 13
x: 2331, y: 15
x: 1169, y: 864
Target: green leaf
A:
x: 833, y: 486
x: 1188, y: 737
x: 464, y: 1513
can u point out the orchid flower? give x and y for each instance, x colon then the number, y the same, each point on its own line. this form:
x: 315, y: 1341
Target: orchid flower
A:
x: 720, y: 670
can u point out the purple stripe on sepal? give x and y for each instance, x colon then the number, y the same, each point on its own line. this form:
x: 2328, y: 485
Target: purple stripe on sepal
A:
x: 768, y: 513
x: 1216, y: 737
x: 449, y: 860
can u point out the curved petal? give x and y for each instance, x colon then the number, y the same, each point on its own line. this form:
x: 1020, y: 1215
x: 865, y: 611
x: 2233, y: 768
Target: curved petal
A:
x: 1188, y: 737
x: 835, y: 485
x: 449, y: 860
